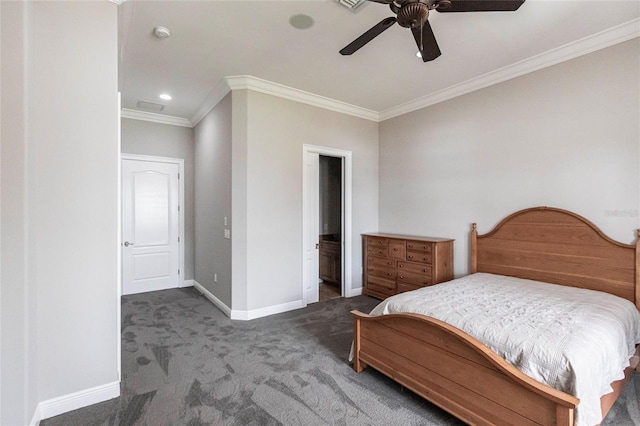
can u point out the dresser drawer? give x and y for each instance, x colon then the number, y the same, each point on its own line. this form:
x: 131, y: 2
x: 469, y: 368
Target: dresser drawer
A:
x: 377, y: 246
x: 417, y: 268
x: 377, y: 242
x: 381, y: 263
x: 397, y: 249
x: 403, y: 287
x: 377, y: 251
x: 380, y: 267
x: 414, y: 278
x: 419, y: 256
x: 419, y: 246
x: 381, y: 285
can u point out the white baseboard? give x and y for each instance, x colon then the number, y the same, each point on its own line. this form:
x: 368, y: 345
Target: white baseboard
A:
x: 35, y: 420
x: 235, y: 314
x: 266, y: 311
x: 73, y: 401
x: 224, y: 308
x: 187, y: 283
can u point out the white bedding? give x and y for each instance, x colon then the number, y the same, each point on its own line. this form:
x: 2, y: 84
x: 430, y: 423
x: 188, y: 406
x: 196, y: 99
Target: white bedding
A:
x: 575, y: 340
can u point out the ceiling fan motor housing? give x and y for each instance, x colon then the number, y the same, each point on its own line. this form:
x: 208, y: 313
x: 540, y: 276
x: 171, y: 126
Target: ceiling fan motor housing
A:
x: 414, y: 14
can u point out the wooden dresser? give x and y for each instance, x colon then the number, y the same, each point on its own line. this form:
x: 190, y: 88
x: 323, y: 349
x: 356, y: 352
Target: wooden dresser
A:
x: 398, y: 263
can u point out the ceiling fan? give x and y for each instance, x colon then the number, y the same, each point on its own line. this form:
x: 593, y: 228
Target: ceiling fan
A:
x: 414, y: 13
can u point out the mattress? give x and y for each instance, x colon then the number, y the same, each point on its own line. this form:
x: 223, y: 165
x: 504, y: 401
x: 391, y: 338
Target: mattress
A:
x: 574, y: 340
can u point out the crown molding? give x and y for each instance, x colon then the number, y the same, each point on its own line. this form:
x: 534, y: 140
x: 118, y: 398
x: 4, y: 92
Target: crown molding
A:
x: 601, y: 40
x: 155, y: 118
x: 609, y: 37
x: 213, y: 98
x: 259, y: 85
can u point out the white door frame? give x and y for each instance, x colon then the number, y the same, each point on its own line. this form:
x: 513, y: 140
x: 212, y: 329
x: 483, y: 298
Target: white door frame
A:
x: 347, y: 238
x: 180, y: 163
x: 119, y: 245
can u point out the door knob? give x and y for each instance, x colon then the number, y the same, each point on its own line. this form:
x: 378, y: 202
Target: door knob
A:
x: 127, y: 244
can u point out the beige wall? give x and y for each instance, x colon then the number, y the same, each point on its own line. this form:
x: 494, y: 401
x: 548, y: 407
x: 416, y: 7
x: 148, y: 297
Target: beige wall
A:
x: 18, y: 368
x: 59, y: 198
x: 239, y: 197
x: 565, y: 136
x: 276, y: 131
x: 73, y: 192
x: 213, y: 200
x: 163, y: 140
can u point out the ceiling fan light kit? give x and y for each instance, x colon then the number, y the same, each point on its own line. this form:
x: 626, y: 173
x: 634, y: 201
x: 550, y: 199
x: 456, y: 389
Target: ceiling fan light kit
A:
x: 414, y: 14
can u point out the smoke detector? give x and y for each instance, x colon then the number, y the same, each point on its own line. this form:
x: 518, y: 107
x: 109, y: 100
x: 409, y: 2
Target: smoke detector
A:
x: 162, y: 32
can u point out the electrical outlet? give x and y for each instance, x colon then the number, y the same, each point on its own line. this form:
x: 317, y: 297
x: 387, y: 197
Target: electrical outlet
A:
x: 227, y: 234
x: 215, y: 278
x: 226, y: 222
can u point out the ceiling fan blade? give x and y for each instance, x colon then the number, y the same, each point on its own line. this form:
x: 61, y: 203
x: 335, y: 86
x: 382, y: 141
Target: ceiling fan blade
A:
x: 481, y: 6
x: 365, y: 38
x: 426, y: 42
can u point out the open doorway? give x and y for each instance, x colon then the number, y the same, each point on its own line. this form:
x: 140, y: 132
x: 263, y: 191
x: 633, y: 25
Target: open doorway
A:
x: 330, y: 227
x: 334, y: 234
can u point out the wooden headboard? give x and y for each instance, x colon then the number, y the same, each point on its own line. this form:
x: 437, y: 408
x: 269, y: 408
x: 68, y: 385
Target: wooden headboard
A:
x: 560, y: 247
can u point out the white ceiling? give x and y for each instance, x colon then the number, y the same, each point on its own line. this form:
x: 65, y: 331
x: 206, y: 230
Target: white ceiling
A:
x: 211, y: 40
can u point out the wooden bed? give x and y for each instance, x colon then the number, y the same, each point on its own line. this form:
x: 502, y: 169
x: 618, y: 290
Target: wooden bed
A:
x: 464, y: 377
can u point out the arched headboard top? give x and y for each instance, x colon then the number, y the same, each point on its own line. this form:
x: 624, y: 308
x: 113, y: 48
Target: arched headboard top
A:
x: 560, y: 247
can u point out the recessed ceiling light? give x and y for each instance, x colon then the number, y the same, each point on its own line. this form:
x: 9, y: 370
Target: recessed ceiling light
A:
x: 301, y: 21
x: 165, y: 97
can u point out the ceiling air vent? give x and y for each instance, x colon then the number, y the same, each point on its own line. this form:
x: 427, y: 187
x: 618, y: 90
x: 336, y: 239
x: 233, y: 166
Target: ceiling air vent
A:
x: 150, y: 106
x: 352, y: 5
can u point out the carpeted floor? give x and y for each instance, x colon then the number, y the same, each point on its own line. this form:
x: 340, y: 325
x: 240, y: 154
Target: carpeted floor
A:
x: 186, y: 363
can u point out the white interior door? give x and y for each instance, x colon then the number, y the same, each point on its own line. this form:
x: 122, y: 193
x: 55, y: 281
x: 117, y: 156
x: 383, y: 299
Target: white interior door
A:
x: 311, y: 198
x: 150, y: 226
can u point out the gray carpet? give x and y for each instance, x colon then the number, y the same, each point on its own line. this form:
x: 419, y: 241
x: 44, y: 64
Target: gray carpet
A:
x: 185, y: 363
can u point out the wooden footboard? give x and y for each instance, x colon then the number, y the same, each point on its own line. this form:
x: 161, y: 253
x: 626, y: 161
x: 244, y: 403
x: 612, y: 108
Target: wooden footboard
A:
x: 456, y: 372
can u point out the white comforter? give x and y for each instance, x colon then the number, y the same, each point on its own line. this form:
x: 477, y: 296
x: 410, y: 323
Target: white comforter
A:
x: 577, y: 341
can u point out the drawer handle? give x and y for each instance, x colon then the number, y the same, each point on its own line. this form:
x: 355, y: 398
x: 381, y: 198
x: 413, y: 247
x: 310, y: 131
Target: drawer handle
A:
x: 389, y: 274
x: 389, y: 263
x: 402, y: 277
x: 410, y: 256
x: 395, y: 249
x: 410, y: 245
x: 401, y: 266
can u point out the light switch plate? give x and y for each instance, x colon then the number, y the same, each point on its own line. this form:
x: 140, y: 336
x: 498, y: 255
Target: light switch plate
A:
x: 227, y: 233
